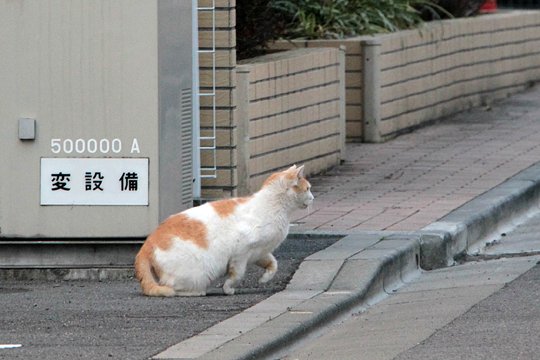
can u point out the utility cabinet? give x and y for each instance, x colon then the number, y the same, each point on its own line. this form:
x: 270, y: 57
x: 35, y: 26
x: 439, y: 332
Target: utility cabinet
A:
x: 96, y: 114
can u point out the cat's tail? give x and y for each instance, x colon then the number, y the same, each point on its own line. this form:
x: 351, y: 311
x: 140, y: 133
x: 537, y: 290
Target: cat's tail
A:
x: 145, y: 274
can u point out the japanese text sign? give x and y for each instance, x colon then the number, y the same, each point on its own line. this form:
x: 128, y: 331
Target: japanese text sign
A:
x: 94, y: 181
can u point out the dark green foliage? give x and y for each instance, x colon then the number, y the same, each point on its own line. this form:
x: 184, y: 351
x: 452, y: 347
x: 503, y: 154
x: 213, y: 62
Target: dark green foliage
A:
x: 256, y: 24
x: 319, y: 19
x: 260, y: 21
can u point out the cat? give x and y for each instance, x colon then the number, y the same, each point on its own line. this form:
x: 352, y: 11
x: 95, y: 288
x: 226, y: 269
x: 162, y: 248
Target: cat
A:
x: 191, y: 249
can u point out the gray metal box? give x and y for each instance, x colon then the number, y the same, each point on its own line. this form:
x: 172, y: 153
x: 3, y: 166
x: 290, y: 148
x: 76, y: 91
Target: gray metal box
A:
x: 109, y: 84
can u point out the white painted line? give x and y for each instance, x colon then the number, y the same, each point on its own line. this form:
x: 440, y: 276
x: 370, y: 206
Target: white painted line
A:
x: 301, y: 312
x: 337, y: 292
x: 9, y: 346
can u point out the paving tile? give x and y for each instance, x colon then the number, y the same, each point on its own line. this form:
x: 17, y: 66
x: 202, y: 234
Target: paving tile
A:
x: 411, y: 181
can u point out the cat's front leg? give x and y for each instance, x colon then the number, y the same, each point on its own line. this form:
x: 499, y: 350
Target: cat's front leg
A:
x: 269, y: 263
x: 236, y: 270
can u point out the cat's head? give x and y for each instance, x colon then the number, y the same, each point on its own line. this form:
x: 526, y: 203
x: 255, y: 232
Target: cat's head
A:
x: 293, y: 184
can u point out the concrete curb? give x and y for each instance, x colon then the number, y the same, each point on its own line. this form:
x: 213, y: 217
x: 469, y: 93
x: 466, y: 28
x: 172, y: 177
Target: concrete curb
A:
x: 325, y: 286
x: 486, y: 215
x: 108, y: 273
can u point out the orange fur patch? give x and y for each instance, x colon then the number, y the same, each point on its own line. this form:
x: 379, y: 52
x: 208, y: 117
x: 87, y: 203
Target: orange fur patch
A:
x: 266, y: 264
x: 291, y: 175
x: 225, y: 208
x: 231, y: 272
x: 177, y: 226
x: 144, y: 254
x: 271, y: 179
x: 183, y: 227
x: 303, y: 186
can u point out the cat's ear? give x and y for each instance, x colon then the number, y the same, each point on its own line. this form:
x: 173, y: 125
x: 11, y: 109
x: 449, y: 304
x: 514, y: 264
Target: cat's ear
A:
x: 291, y: 169
x: 294, y: 174
x: 300, y: 173
x: 297, y: 172
x: 291, y: 174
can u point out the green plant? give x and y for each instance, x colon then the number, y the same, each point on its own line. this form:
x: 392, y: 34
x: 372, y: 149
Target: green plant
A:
x: 318, y: 19
x: 341, y: 18
x: 256, y: 23
x: 261, y: 21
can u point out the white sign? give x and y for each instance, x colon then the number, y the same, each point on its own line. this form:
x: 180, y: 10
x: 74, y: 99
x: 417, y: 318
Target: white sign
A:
x: 94, y: 181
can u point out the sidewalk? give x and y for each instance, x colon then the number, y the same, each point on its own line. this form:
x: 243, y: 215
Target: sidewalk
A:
x: 416, y: 200
x: 384, y: 197
x: 417, y: 178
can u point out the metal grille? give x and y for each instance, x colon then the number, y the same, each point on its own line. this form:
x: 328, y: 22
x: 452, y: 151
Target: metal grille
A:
x: 186, y: 146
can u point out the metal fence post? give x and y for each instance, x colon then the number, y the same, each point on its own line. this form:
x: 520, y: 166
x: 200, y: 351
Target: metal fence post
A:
x: 342, y: 107
x: 242, y: 128
x: 371, y: 101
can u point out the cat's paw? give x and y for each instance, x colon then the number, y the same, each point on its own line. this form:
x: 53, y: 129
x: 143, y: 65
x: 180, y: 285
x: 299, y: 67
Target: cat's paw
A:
x: 228, y: 290
x: 267, y: 276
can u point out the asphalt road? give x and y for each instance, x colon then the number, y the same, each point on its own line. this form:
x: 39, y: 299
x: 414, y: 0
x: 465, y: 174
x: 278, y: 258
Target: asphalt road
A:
x: 487, y: 308
x: 506, y: 325
x: 424, y: 309
x: 107, y: 320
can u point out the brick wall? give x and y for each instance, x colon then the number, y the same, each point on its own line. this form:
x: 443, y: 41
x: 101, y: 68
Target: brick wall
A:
x: 442, y: 68
x: 453, y: 65
x: 353, y: 77
x: 292, y: 109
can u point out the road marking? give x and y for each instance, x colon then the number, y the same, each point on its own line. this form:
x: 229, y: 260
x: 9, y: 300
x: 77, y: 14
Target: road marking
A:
x: 301, y: 312
x: 9, y: 346
x: 337, y: 292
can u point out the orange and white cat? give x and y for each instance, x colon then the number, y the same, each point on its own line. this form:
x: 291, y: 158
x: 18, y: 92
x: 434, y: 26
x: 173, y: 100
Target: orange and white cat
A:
x: 192, y: 248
